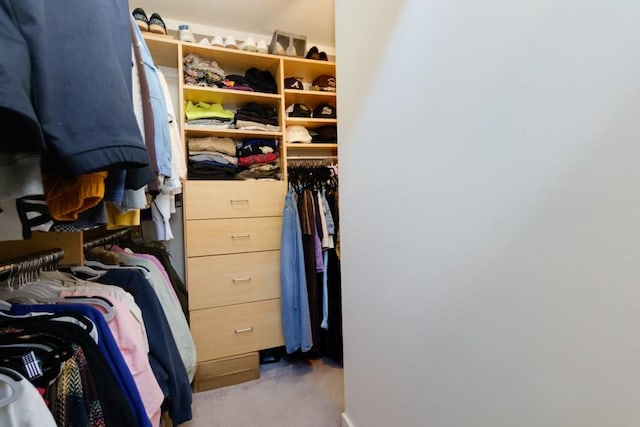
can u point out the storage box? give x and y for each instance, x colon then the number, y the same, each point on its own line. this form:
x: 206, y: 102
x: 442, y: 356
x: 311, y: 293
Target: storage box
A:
x: 283, y: 43
x: 227, y: 371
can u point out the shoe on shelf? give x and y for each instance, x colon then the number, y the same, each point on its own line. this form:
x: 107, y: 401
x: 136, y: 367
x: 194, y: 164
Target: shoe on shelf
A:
x: 141, y: 18
x: 230, y: 43
x: 280, y: 49
x: 323, y: 56
x: 313, y: 53
x: 262, y: 47
x: 217, y: 41
x: 156, y: 24
x: 291, y: 51
x: 204, y: 41
x: 249, y: 45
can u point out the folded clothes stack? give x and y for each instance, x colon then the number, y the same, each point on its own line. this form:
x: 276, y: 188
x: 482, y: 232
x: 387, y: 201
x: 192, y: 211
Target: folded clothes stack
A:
x: 254, y: 116
x: 212, y: 158
x: 258, y: 159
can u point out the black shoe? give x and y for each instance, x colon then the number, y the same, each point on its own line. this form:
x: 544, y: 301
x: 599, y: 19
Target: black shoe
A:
x: 323, y: 56
x: 141, y: 18
x: 313, y: 53
x: 156, y: 24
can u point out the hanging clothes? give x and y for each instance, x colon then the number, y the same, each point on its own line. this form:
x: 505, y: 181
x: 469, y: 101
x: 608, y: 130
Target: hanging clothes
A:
x: 316, y: 190
x: 20, y: 402
x: 294, y: 300
x: 107, y: 346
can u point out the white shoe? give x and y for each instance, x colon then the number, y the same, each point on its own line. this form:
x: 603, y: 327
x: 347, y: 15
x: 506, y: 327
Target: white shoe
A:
x: 249, y: 45
x: 204, y: 41
x: 262, y: 47
x: 230, y: 43
x: 291, y: 51
x: 280, y: 49
x: 217, y: 41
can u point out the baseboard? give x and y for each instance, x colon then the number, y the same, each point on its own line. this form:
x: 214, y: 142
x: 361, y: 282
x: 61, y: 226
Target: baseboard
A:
x: 345, y: 421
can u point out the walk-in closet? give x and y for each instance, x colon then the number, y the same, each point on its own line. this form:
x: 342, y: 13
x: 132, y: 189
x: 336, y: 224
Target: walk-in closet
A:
x: 169, y: 215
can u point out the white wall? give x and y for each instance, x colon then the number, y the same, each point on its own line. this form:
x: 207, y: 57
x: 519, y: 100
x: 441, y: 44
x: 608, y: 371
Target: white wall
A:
x: 490, y: 202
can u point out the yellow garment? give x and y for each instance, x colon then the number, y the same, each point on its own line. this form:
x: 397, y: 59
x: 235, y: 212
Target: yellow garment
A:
x: 117, y: 220
x: 68, y: 196
x: 204, y: 110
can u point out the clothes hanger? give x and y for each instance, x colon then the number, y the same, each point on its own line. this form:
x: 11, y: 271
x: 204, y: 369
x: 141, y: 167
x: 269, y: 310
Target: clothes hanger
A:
x: 14, y: 381
x: 98, y: 264
x: 106, y: 308
x: 92, y: 274
x: 40, y: 295
x: 21, y: 350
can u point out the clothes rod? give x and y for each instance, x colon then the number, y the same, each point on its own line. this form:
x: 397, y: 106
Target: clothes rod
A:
x: 30, y: 263
x: 106, y: 239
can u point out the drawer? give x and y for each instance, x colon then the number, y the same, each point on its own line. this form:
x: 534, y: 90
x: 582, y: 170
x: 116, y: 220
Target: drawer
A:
x: 231, y: 279
x: 233, y: 199
x: 227, y: 371
x: 229, y: 236
x: 236, y: 329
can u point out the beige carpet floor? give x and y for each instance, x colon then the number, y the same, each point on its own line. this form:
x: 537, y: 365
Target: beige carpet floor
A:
x: 289, y: 393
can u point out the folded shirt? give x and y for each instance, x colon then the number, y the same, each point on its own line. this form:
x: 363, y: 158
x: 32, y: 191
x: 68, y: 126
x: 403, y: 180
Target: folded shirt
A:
x: 205, y: 110
x: 247, y: 125
x: 200, y: 156
x: 258, y: 158
x: 212, y: 143
x: 212, y: 122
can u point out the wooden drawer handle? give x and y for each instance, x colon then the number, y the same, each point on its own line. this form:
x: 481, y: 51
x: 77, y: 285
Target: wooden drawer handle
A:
x: 240, y: 236
x: 246, y: 201
x: 241, y: 279
x: 249, y: 329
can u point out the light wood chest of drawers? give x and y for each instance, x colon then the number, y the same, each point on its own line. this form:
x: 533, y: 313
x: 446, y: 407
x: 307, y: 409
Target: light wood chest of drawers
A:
x: 232, y: 245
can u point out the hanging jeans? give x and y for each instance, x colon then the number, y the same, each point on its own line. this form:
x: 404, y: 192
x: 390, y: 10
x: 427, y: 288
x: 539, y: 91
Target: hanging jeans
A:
x: 296, y: 323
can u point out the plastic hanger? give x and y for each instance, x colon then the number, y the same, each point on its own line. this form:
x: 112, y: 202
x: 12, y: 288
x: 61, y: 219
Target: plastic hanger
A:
x: 14, y: 381
x: 98, y: 264
x: 36, y: 295
x: 107, y: 309
x: 85, y: 269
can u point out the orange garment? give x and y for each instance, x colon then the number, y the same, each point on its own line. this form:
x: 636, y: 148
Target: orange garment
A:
x: 68, y: 196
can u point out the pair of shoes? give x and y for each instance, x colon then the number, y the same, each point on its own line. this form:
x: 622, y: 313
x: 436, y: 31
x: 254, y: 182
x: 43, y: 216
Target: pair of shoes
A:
x: 249, y: 45
x: 229, y: 42
x: 155, y: 24
x: 315, y: 54
x: 217, y: 41
x: 262, y: 47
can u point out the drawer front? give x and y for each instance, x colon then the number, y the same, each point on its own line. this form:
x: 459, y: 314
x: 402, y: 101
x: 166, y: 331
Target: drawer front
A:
x: 227, y: 371
x: 231, y: 279
x: 233, y: 199
x: 236, y: 329
x: 232, y: 236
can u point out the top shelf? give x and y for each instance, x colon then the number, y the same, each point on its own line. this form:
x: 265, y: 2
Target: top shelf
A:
x: 307, y: 69
x: 164, y: 49
x: 232, y: 60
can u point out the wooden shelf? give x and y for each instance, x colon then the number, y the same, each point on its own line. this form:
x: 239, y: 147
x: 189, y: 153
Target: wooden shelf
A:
x: 164, y: 49
x: 310, y: 122
x: 211, y: 95
x: 233, y: 61
x: 309, y: 97
x: 200, y: 131
x: 307, y: 69
x: 311, y: 146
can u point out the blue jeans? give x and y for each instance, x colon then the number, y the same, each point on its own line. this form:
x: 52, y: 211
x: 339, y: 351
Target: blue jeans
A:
x: 296, y: 323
